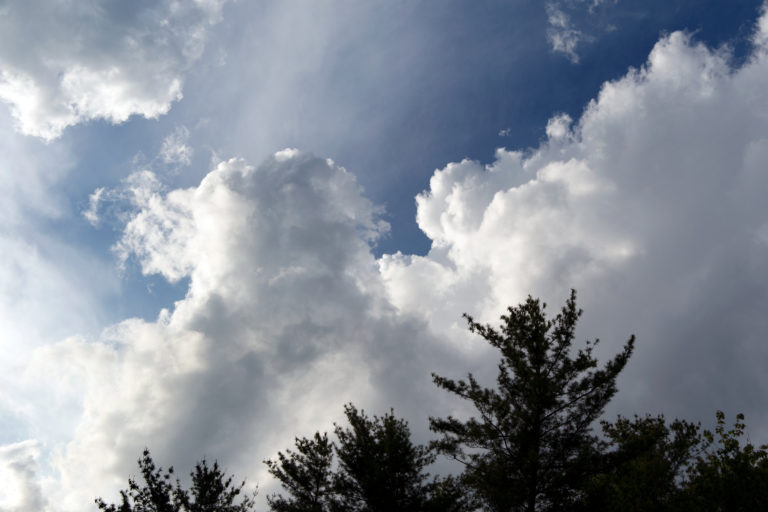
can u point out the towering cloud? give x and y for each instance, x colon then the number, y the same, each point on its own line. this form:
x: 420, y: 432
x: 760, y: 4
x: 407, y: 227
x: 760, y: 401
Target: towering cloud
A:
x: 650, y: 204
x: 284, y: 320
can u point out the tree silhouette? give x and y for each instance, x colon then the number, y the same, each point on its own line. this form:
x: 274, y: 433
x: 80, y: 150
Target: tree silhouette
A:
x: 531, y: 446
x: 211, y: 491
x: 645, y: 460
x: 307, y: 476
x: 378, y: 469
x: 729, y: 474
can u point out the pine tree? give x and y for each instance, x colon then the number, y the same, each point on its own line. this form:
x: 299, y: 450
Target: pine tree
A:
x: 212, y: 491
x: 729, y: 474
x: 381, y: 470
x: 531, y: 447
x: 644, y: 461
x: 378, y: 469
x: 307, y: 476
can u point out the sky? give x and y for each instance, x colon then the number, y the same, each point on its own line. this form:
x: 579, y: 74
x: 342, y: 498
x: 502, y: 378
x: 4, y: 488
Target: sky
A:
x: 222, y: 220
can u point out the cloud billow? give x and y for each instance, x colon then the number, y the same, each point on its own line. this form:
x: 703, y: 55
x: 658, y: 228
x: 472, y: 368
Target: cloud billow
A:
x: 649, y: 205
x: 284, y: 306
x: 84, y: 61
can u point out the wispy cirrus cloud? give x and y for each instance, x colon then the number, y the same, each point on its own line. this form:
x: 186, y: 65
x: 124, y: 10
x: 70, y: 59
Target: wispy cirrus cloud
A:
x: 561, y: 34
x: 175, y: 150
x: 567, y: 33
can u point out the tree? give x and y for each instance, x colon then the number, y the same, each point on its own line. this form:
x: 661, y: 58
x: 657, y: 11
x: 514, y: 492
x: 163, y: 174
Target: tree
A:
x: 378, y: 469
x: 211, y: 491
x: 647, y: 461
x: 729, y: 474
x: 531, y: 447
x: 307, y: 476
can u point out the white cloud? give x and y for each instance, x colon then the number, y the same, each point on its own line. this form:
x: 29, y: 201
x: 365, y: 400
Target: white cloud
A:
x: 286, y: 154
x: 284, y: 306
x: 139, y: 187
x: 760, y: 38
x: 175, y: 150
x: 572, y: 24
x: 649, y: 205
x: 88, y: 61
x: 558, y: 127
x: 18, y: 472
x: 562, y: 36
x: 92, y: 213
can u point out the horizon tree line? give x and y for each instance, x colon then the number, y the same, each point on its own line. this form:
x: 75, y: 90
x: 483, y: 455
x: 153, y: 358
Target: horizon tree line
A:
x: 531, y: 447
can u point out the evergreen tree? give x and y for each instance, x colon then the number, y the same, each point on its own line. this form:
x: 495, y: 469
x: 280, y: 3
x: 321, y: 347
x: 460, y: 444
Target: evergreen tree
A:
x: 645, y: 461
x: 381, y: 470
x: 729, y: 474
x: 211, y: 491
x: 378, y: 469
x: 531, y: 447
x: 307, y: 476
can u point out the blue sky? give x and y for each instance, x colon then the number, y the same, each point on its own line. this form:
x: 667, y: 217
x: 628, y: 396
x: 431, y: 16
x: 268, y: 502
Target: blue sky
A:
x: 173, y: 276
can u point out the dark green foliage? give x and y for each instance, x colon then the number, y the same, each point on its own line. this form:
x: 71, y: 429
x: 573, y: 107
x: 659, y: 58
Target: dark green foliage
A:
x: 448, y: 494
x: 306, y: 474
x: 648, y: 459
x: 211, y: 491
x: 378, y: 469
x: 531, y: 446
x: 729, y: 475
x: 156, y: 495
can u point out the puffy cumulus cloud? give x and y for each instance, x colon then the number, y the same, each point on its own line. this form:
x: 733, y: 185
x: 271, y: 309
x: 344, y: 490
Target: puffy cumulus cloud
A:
x: 651, y: 205
x: 284, y: 320
x: 559, y: 126
x: 18, y: 471
x: 62, y: 63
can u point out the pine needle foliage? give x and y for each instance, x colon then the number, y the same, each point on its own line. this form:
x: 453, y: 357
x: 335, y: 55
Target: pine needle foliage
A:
x: 306, y: 474
x: 531, y: 444
x: 211, y: 491
x: 372, y: 467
